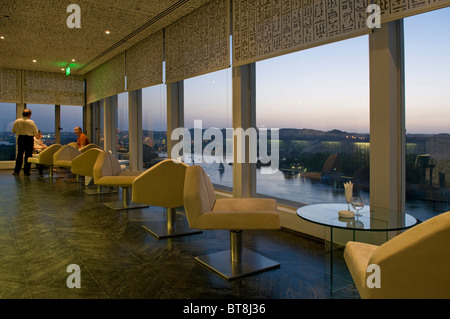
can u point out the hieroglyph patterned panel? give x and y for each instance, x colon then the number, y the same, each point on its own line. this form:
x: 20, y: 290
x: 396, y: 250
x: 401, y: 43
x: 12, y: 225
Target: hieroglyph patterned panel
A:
x: 397, y: 9
x: 144, y: 62
x: 107, y: 79
x: 52, y: 88
x: 199, y: 43
x: 268, y: 28
x: 10, y: 86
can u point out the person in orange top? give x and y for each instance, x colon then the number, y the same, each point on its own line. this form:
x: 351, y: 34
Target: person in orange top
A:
x: 82, y: 139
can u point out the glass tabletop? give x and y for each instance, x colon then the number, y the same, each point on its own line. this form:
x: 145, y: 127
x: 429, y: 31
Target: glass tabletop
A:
x: 372, y: 219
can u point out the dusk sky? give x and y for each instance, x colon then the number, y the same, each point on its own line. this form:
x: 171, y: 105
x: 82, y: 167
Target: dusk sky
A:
x: 325, y: 87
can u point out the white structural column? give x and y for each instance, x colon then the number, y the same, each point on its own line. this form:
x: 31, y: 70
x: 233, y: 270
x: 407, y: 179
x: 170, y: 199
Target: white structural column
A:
x: 110, y: 123
x: 175, y: 112
x: 387, y: 123
x: 57, y: 124
x: 244, y: 116
x: 135, y: 129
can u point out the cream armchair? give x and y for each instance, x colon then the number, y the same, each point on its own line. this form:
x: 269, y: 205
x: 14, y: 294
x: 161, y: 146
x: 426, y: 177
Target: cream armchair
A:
x: 83, y: 165
x: 413, y: 265
x: 163, y: 185
x: 204, y: 211
x: 88, y: 147
x: 45, y: 158
x: 107, y: 172
x: 64, y: 156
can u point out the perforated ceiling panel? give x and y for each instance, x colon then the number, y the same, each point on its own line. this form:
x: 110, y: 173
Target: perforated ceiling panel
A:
x: 38, y: 30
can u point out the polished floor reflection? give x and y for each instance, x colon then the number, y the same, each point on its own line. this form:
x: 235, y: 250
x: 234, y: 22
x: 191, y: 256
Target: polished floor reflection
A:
x: 45, y: 226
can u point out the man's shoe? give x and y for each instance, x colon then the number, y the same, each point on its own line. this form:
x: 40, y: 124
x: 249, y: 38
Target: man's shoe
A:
x: 15, y: 174
x: 27, y: 174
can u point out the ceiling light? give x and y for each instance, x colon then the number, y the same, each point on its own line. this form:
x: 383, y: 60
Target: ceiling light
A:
x: 107, y: 32
x: 34, y: 61
x: 2, y: 37
x: 73, y: 60
x: 62, y: 69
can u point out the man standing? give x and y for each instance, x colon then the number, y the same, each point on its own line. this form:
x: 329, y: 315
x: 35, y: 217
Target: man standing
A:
x: 82, y: 139
x: 25, y: 130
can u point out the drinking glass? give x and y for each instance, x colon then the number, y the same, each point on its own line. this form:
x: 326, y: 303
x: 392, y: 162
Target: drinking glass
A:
x: 358, y: 204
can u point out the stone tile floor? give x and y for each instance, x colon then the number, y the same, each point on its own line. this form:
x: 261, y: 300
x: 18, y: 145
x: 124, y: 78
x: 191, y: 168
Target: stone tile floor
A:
x: 45, y: 226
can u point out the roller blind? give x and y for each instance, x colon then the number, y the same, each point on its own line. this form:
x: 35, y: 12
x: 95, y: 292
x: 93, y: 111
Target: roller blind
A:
x: 106, y: 80
x: 199, y: 42
x: 10, y: 90
x: 52, y: 88
x: 144, y: 62
x: 397, y: 9
x: 268, y: 28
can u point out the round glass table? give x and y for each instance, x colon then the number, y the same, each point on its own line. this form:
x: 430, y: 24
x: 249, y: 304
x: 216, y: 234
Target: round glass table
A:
x: 373, y: 219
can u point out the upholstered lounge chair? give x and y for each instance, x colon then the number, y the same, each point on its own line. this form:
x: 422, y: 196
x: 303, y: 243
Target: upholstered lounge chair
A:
x: 163, y: 185
x: 83, y: 165
x: 204, y: 211
x: 88, y: 147
x: 413, y: 265
x: 63, y: 158
x: 45, y: 158
x: 107, y: 172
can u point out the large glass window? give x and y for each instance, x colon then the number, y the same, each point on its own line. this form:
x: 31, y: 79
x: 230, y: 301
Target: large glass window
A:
x: 7, y: 138
x: 208, y: 113
x: 427, y: 114
x: 122, y: 130
x: 319, y: 100
x: 44, y: 117
x: 71, y: 117
x: 154, y: 125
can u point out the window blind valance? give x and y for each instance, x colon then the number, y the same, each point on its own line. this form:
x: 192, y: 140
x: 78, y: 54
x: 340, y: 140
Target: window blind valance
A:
x: 198, y: 43
x: 268, y: 28
x: 144, y: 62
x: 398, y: 9
x: 106, y: 80
x: 10, y: 85
x: 52, y: 88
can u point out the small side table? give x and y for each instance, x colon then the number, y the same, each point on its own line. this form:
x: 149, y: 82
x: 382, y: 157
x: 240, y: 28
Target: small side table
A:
x: 372, y: 219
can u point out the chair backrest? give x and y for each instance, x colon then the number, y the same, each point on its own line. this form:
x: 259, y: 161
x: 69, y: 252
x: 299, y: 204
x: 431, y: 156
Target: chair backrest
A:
x: 66, y: 153
x: 89, y: 147
x: 199, y: 196
x: 106, y: 165
x: 161, y: 185
x: 415, y: 263
x: 46, y: 156
x: 84, y: 163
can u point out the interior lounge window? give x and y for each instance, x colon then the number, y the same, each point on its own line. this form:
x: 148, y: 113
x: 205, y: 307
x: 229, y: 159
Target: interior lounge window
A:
x: 44, y: 117
x: 319, y: 100
x: 7, y: 138
x: 121, y: 133
x: 154, y: 125
x: 427, y: 113
x: 207, y: 111
x: 71, y: 117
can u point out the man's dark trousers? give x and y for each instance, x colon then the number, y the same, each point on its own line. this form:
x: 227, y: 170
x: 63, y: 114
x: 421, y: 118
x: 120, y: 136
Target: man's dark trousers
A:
x: 25, y: 145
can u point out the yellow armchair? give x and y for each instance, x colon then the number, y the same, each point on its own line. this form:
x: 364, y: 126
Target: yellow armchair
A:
x: 45, y: 158
x: 163, y: 185
x: 107, y: 172
x: 204, y: 211
x: 413, y: 265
